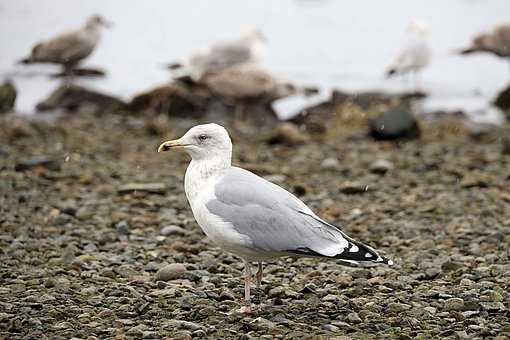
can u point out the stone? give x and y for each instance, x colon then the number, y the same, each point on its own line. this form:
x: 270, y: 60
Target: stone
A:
x: 287, y: 134
x: 226, y: 294
x: 493, y: 306
x: 354, y: 318
x: 74, y: 98
x: 7, y: 97
x: 330, y: 163
x: 397, y: 307
x: 122, y: 228
x: 172, y: 230
x: 351, y: 188
x: 177, y: 99
x: 62, y: 219
x: 381, y: 166
x: 397, y: 123
x: 181, y: 324
x: 454, y: 304
x: 151, y: 188
x: 430, y: 309
x: 502, y: 100
x: 170, y: 272
x: 263, y: 324
x: 38, y: 162
x: 331, y: 328
x: 461, y: 335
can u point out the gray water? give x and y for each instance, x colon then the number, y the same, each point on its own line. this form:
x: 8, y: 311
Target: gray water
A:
x: 332, y: 44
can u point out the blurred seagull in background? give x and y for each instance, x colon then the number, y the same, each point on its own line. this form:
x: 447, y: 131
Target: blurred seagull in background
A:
x: 246, y: 50
x: 240, y: 85
x: 496, y: 41
x: 70, y: 48
x: 252, y: 217
x: 415, y: 55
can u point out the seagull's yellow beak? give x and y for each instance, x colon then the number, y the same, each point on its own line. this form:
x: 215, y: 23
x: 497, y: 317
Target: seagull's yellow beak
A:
x: 165, y: 146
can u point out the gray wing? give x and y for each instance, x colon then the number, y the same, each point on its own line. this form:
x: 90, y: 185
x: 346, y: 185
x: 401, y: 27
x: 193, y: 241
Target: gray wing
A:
x: 221, y: 56
x: 228, y: 55
x: 277, y: 221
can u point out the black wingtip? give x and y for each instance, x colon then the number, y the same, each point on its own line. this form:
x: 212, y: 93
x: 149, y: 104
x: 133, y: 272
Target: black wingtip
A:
x: 24, y: 61
x: 391, y: 72
x: 352, y: 256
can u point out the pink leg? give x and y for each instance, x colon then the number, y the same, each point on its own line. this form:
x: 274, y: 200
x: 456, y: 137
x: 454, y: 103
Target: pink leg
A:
x: 247, y: 282
x: 258, y: 275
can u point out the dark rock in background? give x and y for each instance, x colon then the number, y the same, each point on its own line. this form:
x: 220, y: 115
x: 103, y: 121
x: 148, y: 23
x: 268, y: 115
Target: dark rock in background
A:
x: 7, y: 97
x: 73, y: 98
x: 397, y: 123
x: 81, y: 72
x: 287, y: 134
x: 503, y: 100
x: 177, y: 99
x: 35, y: 162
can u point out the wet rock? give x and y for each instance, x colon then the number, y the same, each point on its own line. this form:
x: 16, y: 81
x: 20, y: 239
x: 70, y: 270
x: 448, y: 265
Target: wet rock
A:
x: 430, y: 309
x: 263, y: 324
x: 151, y: 188
x: 172, y: 230
x: 283, y: 292
x: 318, y: 116
x: 171, y: 272
x: 450, y: 266
x: 454, y: 304
x: 38, y: 162
x: 397, y: 307
x: 493, y: 306
x: 462, y: 335
x: 7, y: 97
x: 181, y: 324
x: 122, y: 228
x: 287, y: 134
x: 354, y: 318
x: 176, y: 99
x: 503, y: 100
x: 226, y: 294
x: 62, y: 219
x: 397, y: 123
x: 73, y: 98
x: 381, y: 166
x: 475, y: 181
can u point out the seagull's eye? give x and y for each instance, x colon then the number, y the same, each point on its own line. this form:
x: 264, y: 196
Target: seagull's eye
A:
x: 202, y: 138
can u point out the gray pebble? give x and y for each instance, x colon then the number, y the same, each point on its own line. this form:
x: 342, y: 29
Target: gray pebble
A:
x: 171, y: 272
x: 172, y: 230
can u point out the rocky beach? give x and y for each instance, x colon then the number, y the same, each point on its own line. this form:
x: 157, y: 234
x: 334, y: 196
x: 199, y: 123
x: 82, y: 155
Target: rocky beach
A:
x: 97, y: 239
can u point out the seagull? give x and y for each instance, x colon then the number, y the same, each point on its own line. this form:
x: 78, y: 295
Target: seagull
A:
x: 70, y: 48
x: 242, y: 85
x: 246, y: 50
x: 251, y: 217
x: 415, y: 55
x: 496, y: 41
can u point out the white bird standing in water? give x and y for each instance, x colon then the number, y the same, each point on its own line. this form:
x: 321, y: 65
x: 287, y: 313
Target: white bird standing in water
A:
x: 415, y: 55
x: 251, y: 217
x: 246, y: 50
x: 70, y: 48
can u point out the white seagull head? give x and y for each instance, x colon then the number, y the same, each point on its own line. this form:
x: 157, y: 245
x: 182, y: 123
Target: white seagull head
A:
x: 253, y: 34
x: 202, y: 142
x: 97, y: 21
x: 418, y: 27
